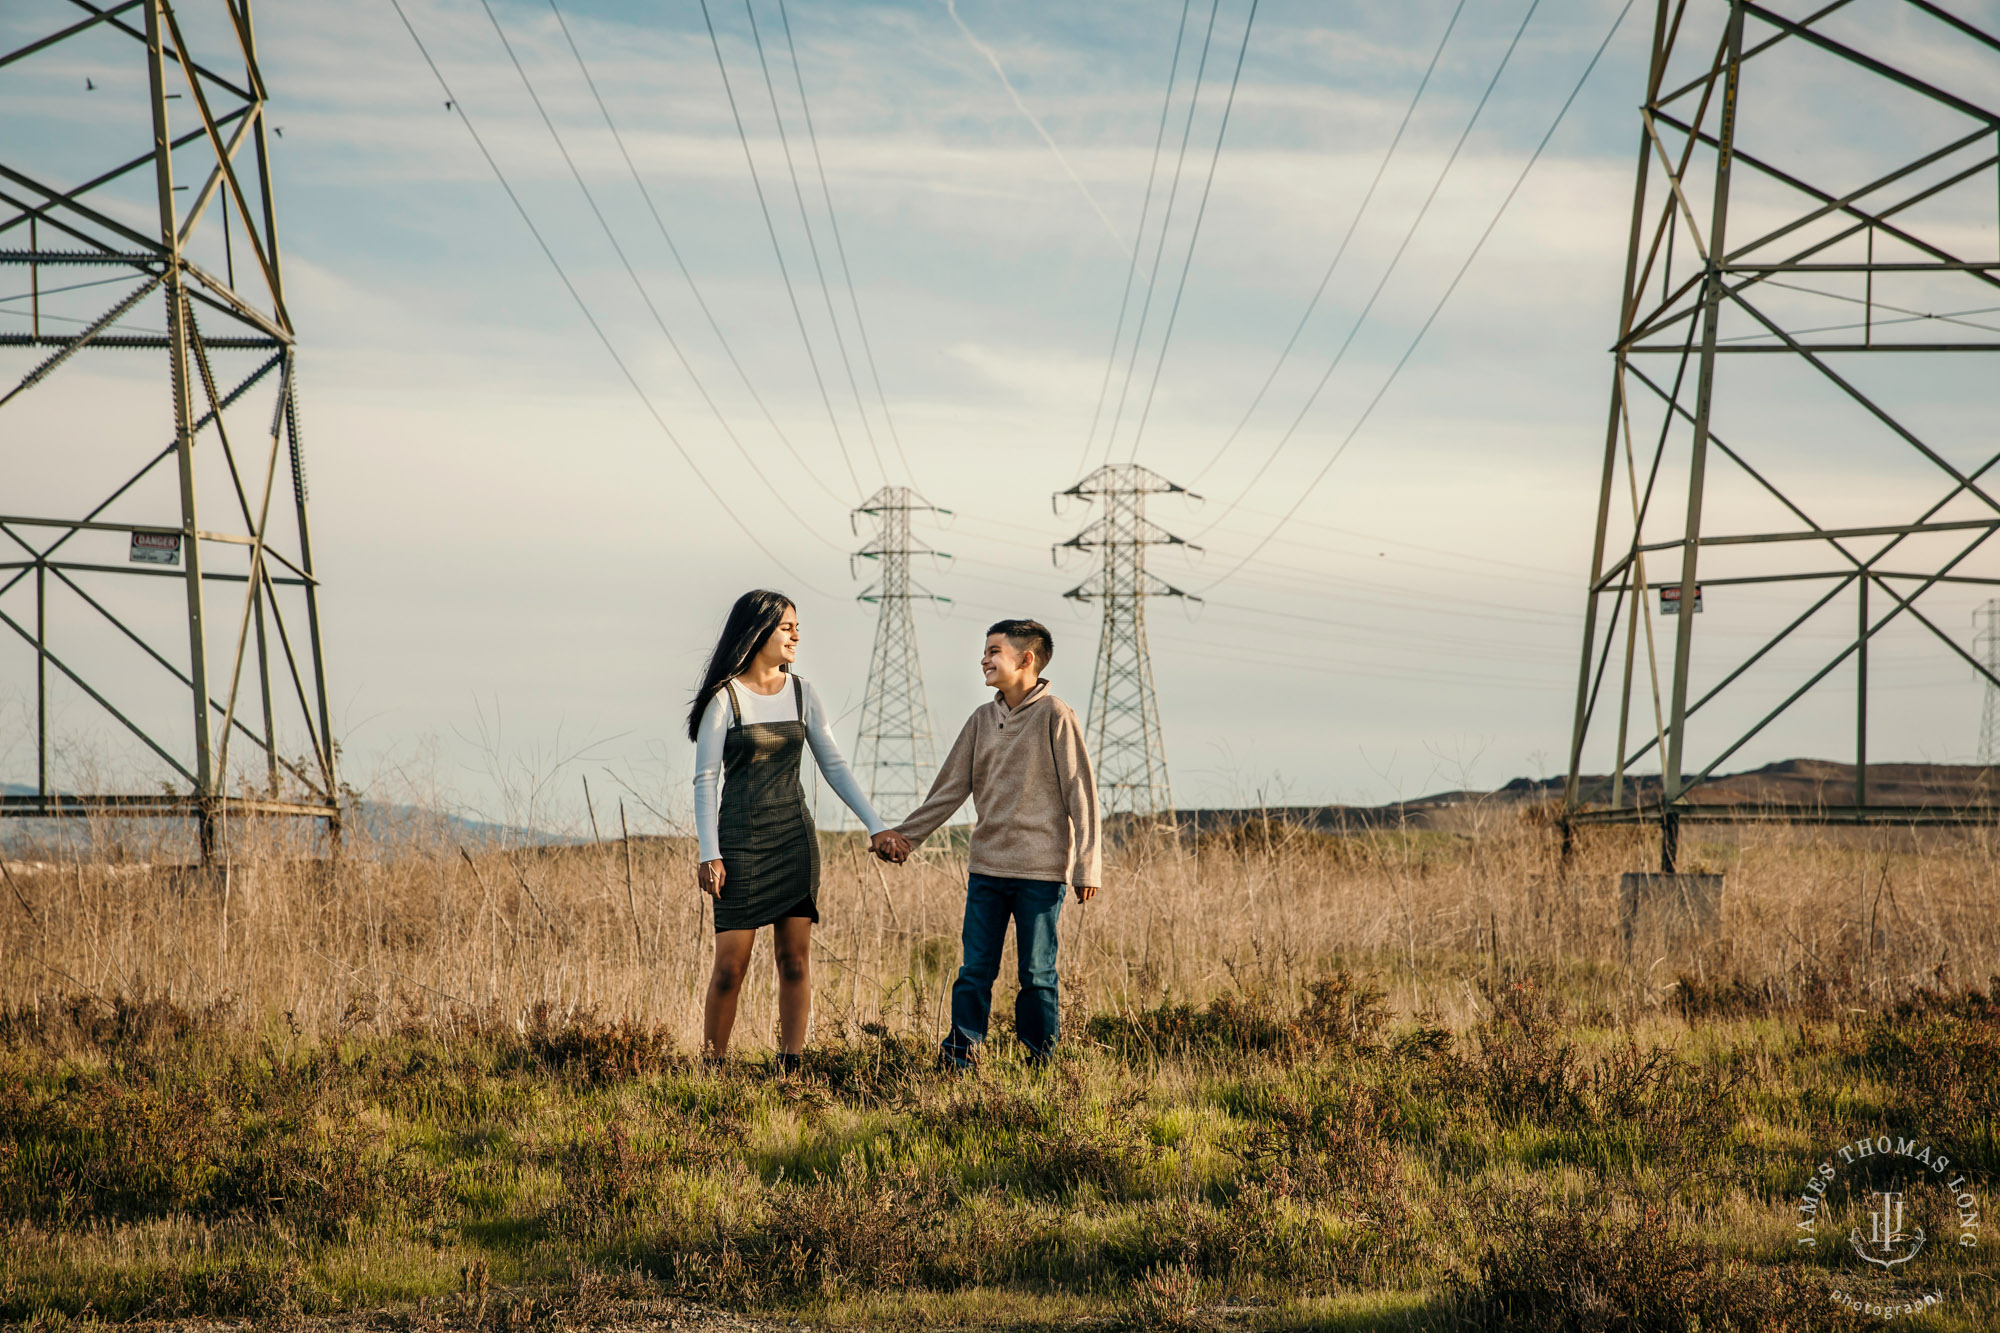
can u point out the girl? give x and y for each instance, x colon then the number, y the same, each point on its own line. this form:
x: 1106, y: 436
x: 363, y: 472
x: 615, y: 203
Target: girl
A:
x: 750, y: 721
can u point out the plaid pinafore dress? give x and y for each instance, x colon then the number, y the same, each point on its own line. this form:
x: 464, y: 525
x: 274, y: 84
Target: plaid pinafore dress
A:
x: 770, y: 849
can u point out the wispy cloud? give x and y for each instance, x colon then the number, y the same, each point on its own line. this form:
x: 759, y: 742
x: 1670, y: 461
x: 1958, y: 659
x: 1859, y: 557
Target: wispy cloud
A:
x: 993, y: 59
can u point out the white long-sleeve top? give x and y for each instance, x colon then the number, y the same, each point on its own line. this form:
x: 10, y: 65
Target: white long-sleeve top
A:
x: 779, y: 707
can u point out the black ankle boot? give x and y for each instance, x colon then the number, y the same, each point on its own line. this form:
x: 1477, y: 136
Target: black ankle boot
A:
x: 790, y: 1064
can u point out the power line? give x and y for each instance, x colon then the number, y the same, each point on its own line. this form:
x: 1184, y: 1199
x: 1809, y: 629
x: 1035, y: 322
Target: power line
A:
x: 1132, y: 267
x: 1208, y: 646
x: 1436, y: 309
x: 791, y: 293
x: 674, y: 250
x: 1194, y: 235
x: 1566, y: 579
x: 812, y: 243
x: 1166, y: 223
x: 1408, y: 236
x: 1340, y: 250
x: 840, y: 247
x: 638, y: 286
x: 583, y: 307
x: 66, y: 287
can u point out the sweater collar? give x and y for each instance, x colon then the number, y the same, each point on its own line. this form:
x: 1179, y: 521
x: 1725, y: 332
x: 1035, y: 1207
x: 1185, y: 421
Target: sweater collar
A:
x: 1032, y: 696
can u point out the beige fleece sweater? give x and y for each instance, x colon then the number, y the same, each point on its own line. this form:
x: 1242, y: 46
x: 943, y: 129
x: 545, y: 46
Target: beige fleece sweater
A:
x: 1030, y: 779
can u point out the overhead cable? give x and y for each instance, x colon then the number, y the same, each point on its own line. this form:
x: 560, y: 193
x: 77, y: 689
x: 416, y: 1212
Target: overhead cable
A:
x: 812, y: 243
x: 674, y: 250
x: 1132, y: 265
x: 840, y: 248
x: 1439, y: 307
x: 1408, y: 236
x: 583, y: 307
x: 637, y: 285
x: 1160, y: 247
x: 1194, y: 235
x: 1341, y: 250
x: 771, y: 227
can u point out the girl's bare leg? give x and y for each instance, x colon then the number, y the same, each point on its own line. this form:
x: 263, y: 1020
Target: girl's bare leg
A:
x: 793, y: 938
x: 725, y: 986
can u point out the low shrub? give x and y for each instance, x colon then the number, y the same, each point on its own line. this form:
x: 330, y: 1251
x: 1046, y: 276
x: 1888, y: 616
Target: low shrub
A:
x: 121, y: 1024
x: 1310, y: 1146
x: 584, y: 1049
x: 1341, y: 1013
x: 876, y: 1066
x: 262, y: 1137
x: 1941, y: 1071
x: 852, y: 1230
x: 1805, y: 992
x: 1522, y: 1065
x: 1573, y: 1267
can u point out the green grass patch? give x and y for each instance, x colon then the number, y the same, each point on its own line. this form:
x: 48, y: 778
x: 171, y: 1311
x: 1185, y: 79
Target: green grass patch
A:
x: 1233, y: 1164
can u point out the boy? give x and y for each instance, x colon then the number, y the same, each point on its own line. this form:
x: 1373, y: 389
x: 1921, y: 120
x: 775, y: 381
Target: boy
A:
x: 1021, y: 759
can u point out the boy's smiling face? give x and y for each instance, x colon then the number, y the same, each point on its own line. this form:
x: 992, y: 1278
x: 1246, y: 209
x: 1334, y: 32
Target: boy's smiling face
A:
x: 1004, y: 665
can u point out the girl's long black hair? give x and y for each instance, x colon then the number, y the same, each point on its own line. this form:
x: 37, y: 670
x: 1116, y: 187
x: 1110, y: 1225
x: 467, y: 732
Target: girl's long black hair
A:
x: 750, y: 622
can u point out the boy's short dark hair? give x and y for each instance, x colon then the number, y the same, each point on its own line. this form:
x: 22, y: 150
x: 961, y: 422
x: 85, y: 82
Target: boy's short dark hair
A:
x: 1030, y: 636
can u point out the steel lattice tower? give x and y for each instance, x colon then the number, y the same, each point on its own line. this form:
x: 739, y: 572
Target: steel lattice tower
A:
x: 1123, y: 726
x: 160, y: 577
x: 1796, y: 276
x: 894, y: 752
x: 1986, y: 642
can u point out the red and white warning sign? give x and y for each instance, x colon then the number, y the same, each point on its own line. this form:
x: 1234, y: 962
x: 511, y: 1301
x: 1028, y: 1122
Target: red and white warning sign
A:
x: 156, y: 548
x: 1670, y: 599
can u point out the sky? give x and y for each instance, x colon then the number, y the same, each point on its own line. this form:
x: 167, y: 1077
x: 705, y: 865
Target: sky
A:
x: 526, y: 558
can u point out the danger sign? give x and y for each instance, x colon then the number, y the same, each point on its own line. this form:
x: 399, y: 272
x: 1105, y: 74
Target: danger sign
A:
x: 156, y: 548
x: 1670, y: 599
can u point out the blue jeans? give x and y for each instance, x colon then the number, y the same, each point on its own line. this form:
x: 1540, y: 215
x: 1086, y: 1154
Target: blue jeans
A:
x: 1034, y: 905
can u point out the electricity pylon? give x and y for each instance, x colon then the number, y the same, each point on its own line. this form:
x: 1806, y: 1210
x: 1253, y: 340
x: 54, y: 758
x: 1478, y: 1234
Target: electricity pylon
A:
x: 894, y: 752
x: 159, y: 587
x: 1123, y: 727
x: 1807, y: 190
x: 1986, y: 643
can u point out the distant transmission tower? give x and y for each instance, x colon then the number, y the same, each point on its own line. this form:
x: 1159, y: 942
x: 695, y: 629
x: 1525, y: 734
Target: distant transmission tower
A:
x: 895, y: 753
x: 159, y: 586
x: 1124, y: 722
x: 1986, y: 643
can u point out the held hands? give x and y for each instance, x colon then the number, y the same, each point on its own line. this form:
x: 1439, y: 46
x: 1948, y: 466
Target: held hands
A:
x: 891, y: 846
x: 708, y: 875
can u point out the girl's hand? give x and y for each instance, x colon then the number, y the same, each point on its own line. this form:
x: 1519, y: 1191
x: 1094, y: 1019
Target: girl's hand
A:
x: 709, y: 876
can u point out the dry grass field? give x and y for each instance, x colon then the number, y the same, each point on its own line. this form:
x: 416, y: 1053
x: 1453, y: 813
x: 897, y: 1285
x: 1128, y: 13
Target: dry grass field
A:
x: 1396, y: 1080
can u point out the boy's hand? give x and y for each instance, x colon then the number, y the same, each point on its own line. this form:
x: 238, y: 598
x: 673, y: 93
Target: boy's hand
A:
x: 891, y: 846
x: 1085, y: 892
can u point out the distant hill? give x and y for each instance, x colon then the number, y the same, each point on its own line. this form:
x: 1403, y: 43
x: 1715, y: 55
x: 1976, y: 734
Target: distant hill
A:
x: 1802, y: 782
